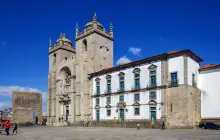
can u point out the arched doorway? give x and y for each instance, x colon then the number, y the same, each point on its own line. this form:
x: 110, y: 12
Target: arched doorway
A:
x: 64, y: 90
x: 67, y: 111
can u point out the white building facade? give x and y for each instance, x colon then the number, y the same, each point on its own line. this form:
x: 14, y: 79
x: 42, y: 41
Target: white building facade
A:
x: 209, y: 79
x: 148, y: 89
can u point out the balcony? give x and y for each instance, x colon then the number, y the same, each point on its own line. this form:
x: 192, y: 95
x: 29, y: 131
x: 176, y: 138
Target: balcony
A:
x: 108, y: 92
x: 173, y: 83
x: 151, y: 85
x: 136, y: 87
x: 194, y: 84
x: 96, y: 94
x: 121, y: 90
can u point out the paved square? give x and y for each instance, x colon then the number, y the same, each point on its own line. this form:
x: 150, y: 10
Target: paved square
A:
x: 103, y: 133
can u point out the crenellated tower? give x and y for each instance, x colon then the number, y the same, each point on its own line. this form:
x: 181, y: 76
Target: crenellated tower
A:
x: 69, y: 92
x: 94, y: 52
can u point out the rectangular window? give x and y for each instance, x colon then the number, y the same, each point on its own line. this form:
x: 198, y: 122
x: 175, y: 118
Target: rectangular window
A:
x: 108, y: 86
x: 98, y: 88
x: 136, y: 97
x: 153, y: 78
x: 193, y: 79
x: 108, y: 112
x: 174, y: 78
x: 152, y: 96
x: 121, y: 98
x: 136, y: 111
x: 137, y: 81
x: 97, y: 101
x: 108, y: 100
x: 122, y: 83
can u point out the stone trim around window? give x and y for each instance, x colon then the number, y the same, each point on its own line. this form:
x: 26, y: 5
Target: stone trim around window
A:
x: 136, y: 70
x: 136, y: 107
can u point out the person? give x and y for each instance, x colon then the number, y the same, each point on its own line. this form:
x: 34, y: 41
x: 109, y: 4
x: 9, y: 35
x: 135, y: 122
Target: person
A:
x: 7, y: 127
x: 163, y: 123
x: 15, y: 128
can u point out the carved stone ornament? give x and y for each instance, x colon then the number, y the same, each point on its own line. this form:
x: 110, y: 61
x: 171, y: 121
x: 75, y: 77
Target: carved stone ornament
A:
x: 67, y: 79
x: 121, y: 105
x: 64, y: 98
x: 152, y: 67
x: 152, y: 102
x: 136, y: 104
x: 108, y: 106
x: 136, y: 70
x: 97, y: 107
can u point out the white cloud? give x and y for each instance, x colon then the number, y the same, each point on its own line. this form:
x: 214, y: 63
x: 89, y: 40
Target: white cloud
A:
x: 123, y: 60
x: 7, y: 91
x: 4, y: 105
x: 135, y: 51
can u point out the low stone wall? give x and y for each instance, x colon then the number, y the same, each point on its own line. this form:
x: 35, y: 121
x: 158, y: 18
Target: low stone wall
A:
x: 127, y: 124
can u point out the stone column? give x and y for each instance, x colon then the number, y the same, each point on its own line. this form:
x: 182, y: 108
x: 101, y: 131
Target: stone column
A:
x: 164, y: 81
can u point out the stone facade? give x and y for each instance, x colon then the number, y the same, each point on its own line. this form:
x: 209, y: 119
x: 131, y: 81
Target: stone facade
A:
x: 24, y: 104
x: 183, y: 106
x: 68, y: 83
x: 71, y: 91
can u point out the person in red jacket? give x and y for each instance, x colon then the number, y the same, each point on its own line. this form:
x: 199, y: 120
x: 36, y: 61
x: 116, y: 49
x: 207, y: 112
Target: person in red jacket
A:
x: 7, y: 127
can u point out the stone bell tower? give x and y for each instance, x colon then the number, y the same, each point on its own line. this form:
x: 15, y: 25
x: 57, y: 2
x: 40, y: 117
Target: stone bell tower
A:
x: 94, y: 52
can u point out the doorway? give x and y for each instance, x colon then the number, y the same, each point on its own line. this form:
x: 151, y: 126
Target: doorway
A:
x: 122, y: 114
x: 67, y: 112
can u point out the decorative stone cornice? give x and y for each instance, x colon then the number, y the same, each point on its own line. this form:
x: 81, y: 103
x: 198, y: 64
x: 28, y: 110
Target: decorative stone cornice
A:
x: 91, y: 31
x: 62, y: 48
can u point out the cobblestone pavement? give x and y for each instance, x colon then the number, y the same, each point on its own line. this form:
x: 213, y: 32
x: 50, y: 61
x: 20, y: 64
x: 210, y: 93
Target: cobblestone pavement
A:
x: 102, y: 133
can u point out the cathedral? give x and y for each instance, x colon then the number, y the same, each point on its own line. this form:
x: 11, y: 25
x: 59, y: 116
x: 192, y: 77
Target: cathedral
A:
x: 84, y: 86
x: 69, y: 88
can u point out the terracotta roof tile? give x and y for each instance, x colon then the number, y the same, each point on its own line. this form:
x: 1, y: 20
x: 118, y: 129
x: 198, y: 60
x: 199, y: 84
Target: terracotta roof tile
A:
x: 173, y: 52
x: 209, y: 66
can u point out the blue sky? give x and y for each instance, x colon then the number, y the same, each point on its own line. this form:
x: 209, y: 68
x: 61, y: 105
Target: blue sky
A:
x: 142, y: 28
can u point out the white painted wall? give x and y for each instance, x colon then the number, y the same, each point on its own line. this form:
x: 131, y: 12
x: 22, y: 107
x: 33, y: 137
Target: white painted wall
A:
x: 210, y: 93
x: 129, y: 78
x: 128, y: 98
x: 176, y: 64
x: 193, y: 68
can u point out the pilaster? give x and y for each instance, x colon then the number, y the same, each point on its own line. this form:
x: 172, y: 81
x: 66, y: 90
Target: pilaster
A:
x: 185, y: 70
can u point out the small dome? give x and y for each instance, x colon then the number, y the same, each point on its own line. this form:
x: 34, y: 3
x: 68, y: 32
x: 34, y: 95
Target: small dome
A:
x: 63, y: 38
x: 63, y: 41
x: 92, y: 22
x: 89, y: 25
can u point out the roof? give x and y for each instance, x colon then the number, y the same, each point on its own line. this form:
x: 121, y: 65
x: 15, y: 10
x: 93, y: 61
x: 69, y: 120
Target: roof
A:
x: 209, y: 67
x: 163, y: 56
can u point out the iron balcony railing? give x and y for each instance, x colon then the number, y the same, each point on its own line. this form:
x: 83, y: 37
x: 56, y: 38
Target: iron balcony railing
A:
x: 194, y: 84
x: 152, y: 85
x: 173, y: 83
x: 136, y: 87
x: 108, y: 91
x: 121, y: 90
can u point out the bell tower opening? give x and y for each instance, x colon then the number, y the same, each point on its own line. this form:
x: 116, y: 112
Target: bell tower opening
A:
x: 84, y: 47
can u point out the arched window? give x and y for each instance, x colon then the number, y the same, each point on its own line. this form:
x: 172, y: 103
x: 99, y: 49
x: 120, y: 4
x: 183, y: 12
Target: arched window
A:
x: 84, y: 45
x: 54, y: 59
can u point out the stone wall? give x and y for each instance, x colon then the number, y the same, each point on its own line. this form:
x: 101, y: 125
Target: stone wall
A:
x: 23, y: 106
x: 126, y: 124
x: 183, y: 107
